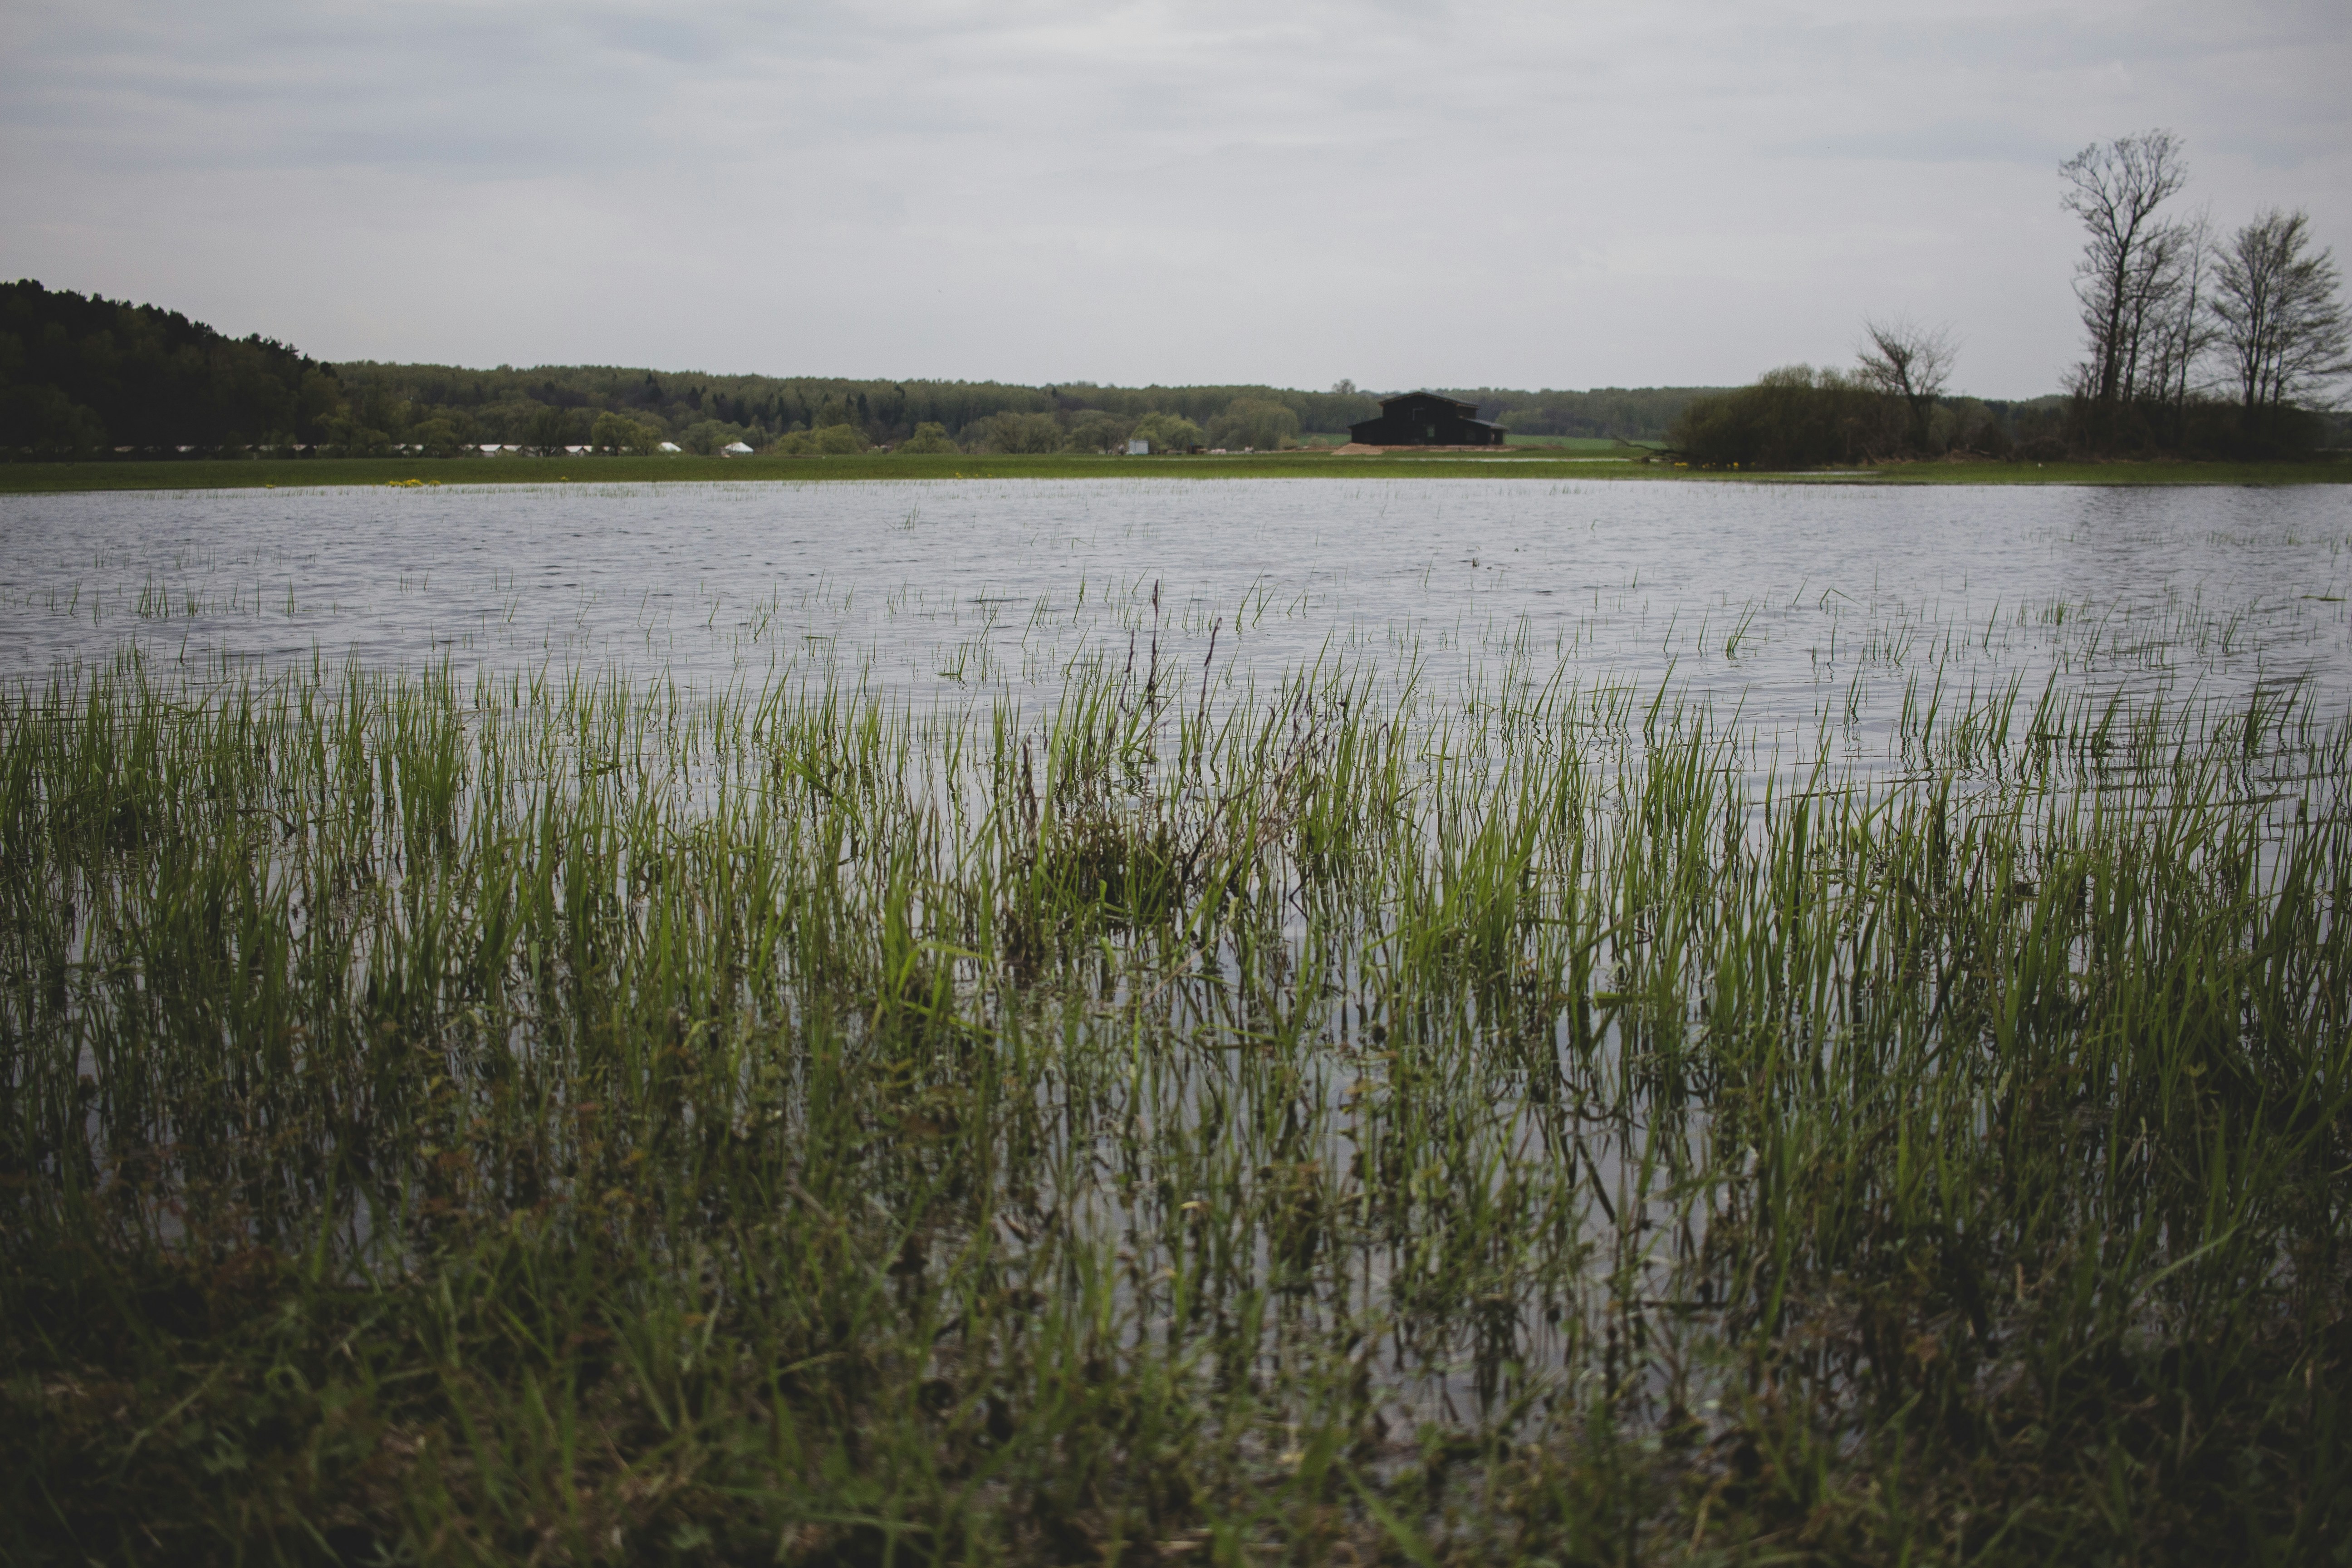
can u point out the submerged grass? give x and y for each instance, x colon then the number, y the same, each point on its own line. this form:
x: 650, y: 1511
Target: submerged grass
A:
x: 572, y: 1121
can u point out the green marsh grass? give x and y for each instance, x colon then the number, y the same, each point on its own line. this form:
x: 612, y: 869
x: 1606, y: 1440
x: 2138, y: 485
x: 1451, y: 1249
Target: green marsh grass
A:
x: 565, y: 1119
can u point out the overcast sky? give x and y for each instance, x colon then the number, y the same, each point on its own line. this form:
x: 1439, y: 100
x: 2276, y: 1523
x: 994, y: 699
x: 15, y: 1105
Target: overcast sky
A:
x: 1403, y: 194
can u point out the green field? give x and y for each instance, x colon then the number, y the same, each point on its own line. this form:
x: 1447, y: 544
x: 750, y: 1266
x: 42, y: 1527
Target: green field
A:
x: 1587, y: 445
x: 1573, y: 462
x: 28, y: 478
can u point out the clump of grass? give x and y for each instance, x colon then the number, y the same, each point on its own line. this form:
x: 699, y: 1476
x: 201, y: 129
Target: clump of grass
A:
x: 565, y: 1119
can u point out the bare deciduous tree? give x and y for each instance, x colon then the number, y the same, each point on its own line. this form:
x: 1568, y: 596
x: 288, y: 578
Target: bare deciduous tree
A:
x: 2174, y: 335
x: 1910, y: 362
x: 2281, y: 325
x: 2115, y: 189
x: 2153, y: 306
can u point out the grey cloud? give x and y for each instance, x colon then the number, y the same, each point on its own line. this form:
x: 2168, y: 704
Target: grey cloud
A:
x: 1400, y: 193
x: 1942, y: 142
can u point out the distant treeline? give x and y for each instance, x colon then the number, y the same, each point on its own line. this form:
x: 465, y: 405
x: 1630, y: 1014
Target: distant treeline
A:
x: 2199, y: 343
x: 79, y: 374
x: 1620, y: 413
x: 1800, y: 418
x: 545, y: 404
x: 703, y: 411
x: 83, y: 376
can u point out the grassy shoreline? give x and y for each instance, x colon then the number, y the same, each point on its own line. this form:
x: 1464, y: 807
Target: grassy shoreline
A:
x: 579, y: 1122
x: 198, y: 474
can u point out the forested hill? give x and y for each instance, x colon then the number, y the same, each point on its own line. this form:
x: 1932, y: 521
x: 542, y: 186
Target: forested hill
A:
x: 506, y: 404
x: 502, y: 405
x: 82, y: 375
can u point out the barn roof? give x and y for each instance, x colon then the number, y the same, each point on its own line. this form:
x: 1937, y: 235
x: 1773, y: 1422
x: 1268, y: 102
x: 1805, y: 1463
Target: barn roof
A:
x: 1467, y: 409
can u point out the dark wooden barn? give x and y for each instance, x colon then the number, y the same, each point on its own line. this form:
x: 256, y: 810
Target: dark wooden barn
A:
x: 1425, y: 419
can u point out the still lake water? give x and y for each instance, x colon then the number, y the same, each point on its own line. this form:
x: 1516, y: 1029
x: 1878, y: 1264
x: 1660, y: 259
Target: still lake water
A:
x: 1798, y: 603
x: 1807, y: 616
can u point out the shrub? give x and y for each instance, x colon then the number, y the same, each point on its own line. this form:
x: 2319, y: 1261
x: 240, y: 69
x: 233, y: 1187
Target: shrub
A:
x: 1096, y: 431
x: 928, y: 436
x: 1169, y: 432
x: 438, y: 438
x: 1026, y: 433
x: 549, y: 430
x: 705, y: 437
x: 1794, y: 418
x: 347, y: 437
x: 616, y: 432
x: 1258, y: 421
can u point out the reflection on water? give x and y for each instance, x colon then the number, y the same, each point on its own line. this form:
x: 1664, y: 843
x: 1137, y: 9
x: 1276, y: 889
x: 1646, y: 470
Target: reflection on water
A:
x: 1817, y: 612
x: 1427, y: 1056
